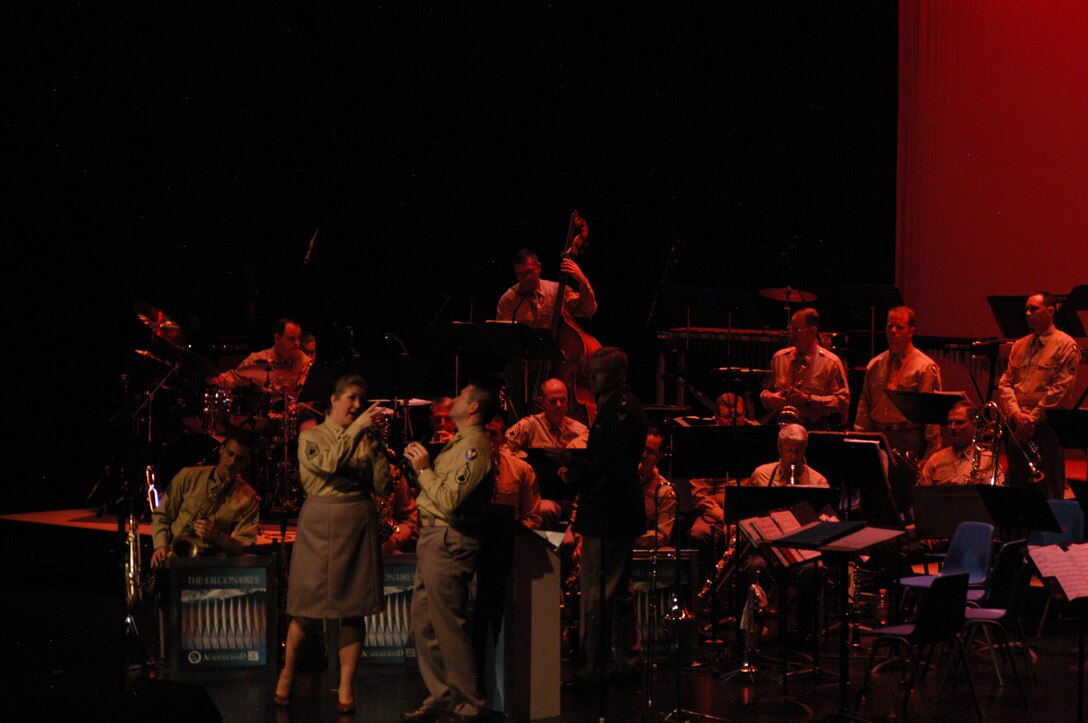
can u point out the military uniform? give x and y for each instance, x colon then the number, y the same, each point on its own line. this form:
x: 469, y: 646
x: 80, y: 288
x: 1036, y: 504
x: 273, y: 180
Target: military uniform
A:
x: 1042, y: 369
x: 454, y: 493
x: 819, y: 374
x: 775, y: 474
x: 610, y: 516
x: 297, y: 362
x: 336, y: 564
x: 659, y: 501
x: 534, y: 431
x: 191, y: 489
x: 949, y: 467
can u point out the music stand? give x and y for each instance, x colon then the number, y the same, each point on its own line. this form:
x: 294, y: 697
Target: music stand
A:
x: 924, y: 407
x: 1072, y: 314
x: 853, y: 461
x: 1071, y: 426
x: 552, y: 487
x: 1008, y: 312
x: 1018, y: 510
x: 719, y: 450
x: 939, y: 509
x: 1080, y: 494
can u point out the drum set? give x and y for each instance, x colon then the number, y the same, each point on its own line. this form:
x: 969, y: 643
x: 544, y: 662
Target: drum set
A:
x: 197, y: 415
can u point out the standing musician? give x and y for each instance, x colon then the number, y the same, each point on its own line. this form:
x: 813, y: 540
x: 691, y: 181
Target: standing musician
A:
x: 806, y: 376
x: 532, y: 299
x: 902, y: 367
x: 1042, y: 369
x: 954, y: 464
x: 454, y: 494
x: 336, y: 564
x: 285, y: 357
x: 610, y: 516
x: 211, y: 508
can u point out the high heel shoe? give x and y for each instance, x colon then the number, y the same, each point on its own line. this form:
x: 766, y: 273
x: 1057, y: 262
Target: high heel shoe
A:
x: 345, y: 708
x: 281, y: 701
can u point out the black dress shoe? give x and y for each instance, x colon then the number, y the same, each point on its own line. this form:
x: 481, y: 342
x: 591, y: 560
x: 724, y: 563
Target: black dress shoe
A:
x: 423, y: 713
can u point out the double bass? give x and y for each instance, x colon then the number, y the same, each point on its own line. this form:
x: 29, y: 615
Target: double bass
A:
x: 576, y: 345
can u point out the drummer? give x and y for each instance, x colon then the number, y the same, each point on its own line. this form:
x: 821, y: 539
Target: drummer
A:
x: 283, y: 368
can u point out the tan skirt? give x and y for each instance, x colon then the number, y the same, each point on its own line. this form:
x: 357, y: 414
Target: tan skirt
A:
x: 336, y: 562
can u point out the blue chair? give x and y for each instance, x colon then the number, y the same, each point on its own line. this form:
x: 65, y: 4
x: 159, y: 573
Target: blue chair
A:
x: 940, y: 619
x: 969, y: 551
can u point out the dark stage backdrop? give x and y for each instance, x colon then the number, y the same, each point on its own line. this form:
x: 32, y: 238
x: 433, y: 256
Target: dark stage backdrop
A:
x: 992, y: 156
x: 188, y: 153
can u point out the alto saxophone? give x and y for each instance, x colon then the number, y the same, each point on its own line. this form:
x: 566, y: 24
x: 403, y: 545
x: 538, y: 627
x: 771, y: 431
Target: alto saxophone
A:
x: 185, y: 544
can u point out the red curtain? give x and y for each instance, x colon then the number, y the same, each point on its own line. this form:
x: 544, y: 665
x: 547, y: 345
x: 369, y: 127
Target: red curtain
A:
x: 993, y: 155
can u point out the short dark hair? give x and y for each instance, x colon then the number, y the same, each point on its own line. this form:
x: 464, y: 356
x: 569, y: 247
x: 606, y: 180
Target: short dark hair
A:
x: 281, y: 324
x: 810, y: 316
x: 965, y: 404
x: 307, y: 337
x: 242, y: 437
x: 524, y: 256
x: 1048, y: 298
x: 348, y: 380
x: 613, y: 358
x: 906, y: 310
x: 486, y: 398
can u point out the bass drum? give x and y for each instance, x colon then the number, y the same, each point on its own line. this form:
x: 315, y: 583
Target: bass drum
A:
x: 191, y: 449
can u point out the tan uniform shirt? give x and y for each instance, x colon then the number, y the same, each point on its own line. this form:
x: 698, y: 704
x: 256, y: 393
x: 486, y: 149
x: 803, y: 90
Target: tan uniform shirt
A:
x: 190, y: 491
x: 516, y: 487
x: 821, y: 375
x: 912, y: 372
x: 660, y: 507
x: 462, y: 465
x: 706, y: 497
x: 774, y: 474
x: 536, y: 308
x: 534, y: 431
x: 946, y: 466
x: 337, y: 461
x: 1038, y: 375
x: 297, y: 368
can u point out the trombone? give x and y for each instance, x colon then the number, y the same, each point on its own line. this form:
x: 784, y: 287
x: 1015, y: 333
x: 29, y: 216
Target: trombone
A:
x: 991, y: 424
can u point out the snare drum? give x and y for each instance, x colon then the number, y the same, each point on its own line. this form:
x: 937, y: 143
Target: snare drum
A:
x: 216, y: 412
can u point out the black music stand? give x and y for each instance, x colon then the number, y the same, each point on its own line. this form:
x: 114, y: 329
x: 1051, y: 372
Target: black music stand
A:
x: 1071, y: 426
x: 1008, y: 312
x: 841, y: 549
x: 939, y: 509
x: 853, y: 461
x: 721, y: 450
x: 924, y: 407
x: 1080, y: 494
x: 1017, y: 510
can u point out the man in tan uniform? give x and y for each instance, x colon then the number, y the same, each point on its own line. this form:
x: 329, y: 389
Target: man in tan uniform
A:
x: 951, y: 465
x: 228, y: 508
x: 454, y: 494
x: 1042, y: 369
x: 901, y: 367
x: 806, y: 376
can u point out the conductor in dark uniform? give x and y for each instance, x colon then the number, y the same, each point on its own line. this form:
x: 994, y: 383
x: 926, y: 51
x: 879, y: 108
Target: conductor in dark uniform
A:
x: 610, y: 517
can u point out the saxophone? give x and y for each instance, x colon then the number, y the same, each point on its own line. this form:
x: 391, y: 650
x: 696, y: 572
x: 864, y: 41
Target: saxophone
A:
x: 722, y: 570
x: 185, y: 544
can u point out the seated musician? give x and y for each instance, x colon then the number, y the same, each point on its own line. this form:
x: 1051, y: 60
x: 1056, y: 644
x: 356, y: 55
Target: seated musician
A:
x: 790, y: 469
x: 515, y: 481
x: 549, y: 429
x: 284, y: 365
x: 953, y: 465
x: 658, y: 495
x: 398, y: 516
x: 807, y: 377
x: 208, y: 510
x: 708, y: 494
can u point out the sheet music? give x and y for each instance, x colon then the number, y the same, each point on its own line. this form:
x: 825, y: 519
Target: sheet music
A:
x: 788, y: 524
x: 1068, y: 567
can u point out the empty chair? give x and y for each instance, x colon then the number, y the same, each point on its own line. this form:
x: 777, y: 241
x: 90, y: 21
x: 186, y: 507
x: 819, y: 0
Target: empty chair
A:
x: 969, y: 551
x: 940, y: 618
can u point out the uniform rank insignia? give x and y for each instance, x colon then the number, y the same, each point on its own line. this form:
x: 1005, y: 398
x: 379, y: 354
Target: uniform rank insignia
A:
x: 311, y: 450
x: 471, y: 454
x: 462, y: 474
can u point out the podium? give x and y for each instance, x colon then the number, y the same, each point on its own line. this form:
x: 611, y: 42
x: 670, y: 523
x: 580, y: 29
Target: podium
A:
x: 522, y: 663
